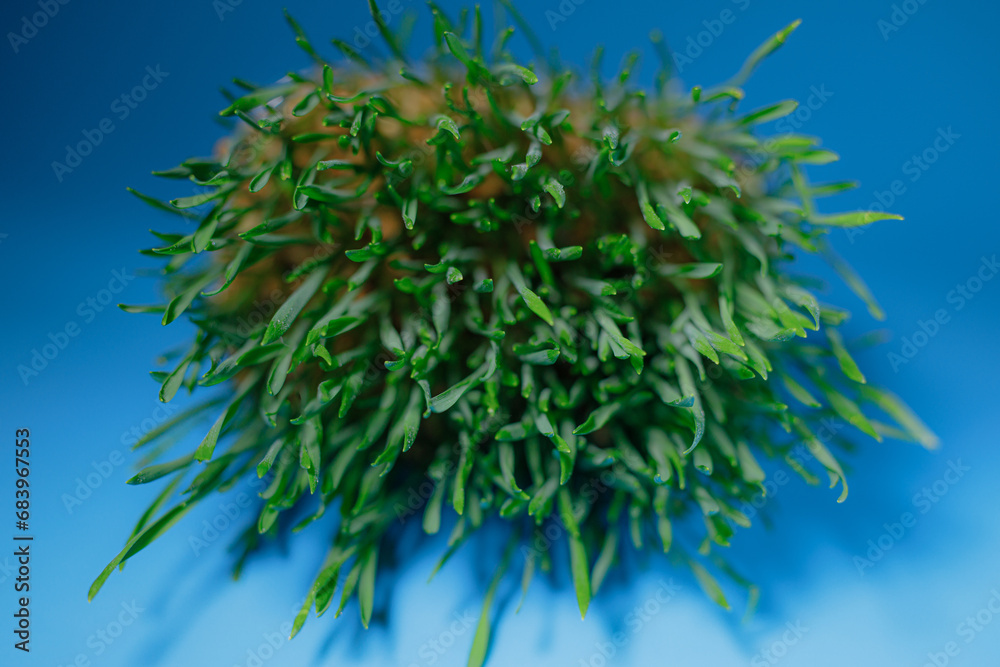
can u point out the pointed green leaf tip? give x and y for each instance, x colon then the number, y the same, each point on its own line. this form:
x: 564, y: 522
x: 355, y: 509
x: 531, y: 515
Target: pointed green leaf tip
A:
x: 155, y: 472
x: 293, y: 306
x: 524, y: 73
x: 531, y: 300
x: 458, y: 49
x: 853, y: 219
x: 579, y: 566
x: 537, y: 306
x: 709, y: 585
x: 211, y: 439
x: 847, y: 363
x: 481, y: 640
x: 383, y: 28
x: 581, y: 573
x: 763, y: 51
x: 903, y: 415
x: 771, y: 112
x: 366, y: 586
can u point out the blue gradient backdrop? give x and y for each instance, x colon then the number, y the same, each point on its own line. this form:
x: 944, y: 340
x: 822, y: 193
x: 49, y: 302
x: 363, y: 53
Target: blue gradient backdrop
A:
x: 890, y: 92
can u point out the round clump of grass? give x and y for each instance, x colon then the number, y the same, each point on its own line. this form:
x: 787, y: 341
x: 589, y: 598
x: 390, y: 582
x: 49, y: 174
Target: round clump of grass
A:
x: 464, y: 286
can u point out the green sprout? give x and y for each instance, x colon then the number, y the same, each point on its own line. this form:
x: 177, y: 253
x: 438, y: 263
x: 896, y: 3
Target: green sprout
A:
x: 465, y: 286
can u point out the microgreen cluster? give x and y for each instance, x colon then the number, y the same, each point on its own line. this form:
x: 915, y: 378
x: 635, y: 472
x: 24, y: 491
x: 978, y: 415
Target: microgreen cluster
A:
x: 461, y: 286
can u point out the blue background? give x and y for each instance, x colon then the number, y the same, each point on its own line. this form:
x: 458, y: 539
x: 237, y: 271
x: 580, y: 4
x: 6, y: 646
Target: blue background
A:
x: 891, y: 94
